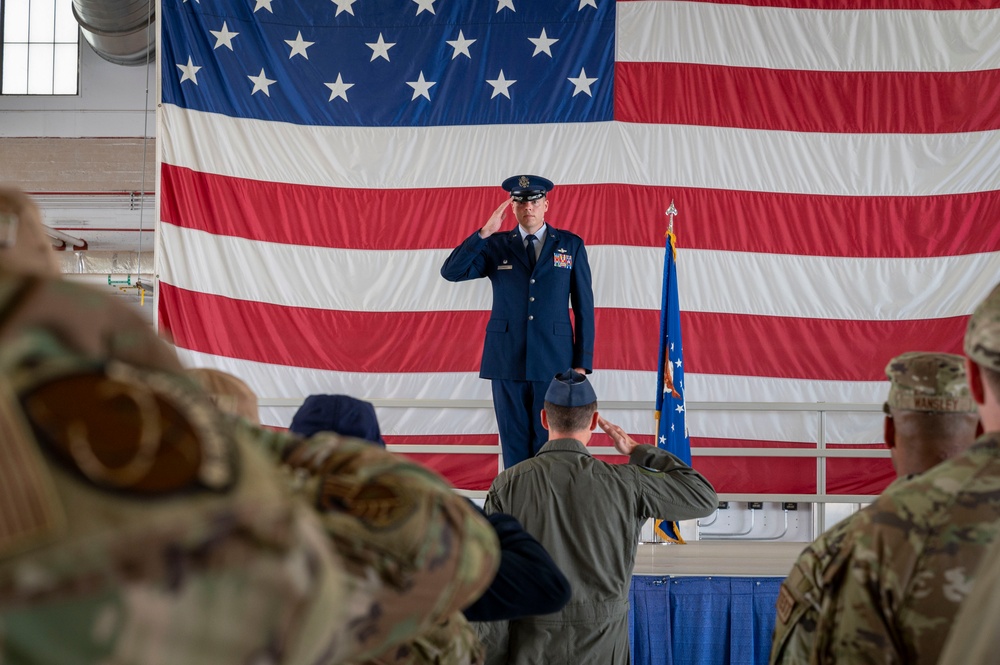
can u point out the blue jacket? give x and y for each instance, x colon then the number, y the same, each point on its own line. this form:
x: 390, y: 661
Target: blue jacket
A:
x: 529, y: 336
x: 528, y: 581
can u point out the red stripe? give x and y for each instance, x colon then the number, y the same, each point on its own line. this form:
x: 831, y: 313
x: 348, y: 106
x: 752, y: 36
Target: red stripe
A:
x: 631, y: 215
x: 466, y: 472
x: 932, y: 5
x: 758, y: 475
x: 807, y: 101
x: 772, y: 475
x: 626, y: 339
x: 845, y: 475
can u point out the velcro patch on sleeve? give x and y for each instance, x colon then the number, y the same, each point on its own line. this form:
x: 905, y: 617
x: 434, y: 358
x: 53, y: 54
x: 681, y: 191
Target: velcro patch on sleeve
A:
x: 785, y: 604
x: 133, y: 430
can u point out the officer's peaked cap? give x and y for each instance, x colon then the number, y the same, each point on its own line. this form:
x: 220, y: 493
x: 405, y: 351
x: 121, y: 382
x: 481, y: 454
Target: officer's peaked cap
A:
x: 527, y: 187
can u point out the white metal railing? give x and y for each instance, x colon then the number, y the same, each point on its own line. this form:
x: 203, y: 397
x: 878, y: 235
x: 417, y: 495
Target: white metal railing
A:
x: 116, y: 200
x: 820, y: 452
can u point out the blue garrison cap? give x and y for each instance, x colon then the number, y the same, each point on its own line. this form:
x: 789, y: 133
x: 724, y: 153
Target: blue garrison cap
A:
x: 337, y: 413
x: 570, y: 388
x: 527, y: 187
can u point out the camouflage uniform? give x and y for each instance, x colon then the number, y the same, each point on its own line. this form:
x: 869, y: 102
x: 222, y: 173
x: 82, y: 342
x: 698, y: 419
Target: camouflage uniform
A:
x: 139, y: 524
x: 380, y: 517
x: 974, y: 638
x: 881, y: 585
x: 67, y: 317
x: 975, y: 634
x: 449, y: 642
x: 229, y: 393
x: 982, y: 338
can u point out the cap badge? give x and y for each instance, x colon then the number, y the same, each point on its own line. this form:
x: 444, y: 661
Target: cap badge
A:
x: 523, y: 181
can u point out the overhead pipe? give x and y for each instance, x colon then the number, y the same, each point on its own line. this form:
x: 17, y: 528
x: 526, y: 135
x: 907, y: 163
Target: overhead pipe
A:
x: 63, y: 241
x: 120, y: 31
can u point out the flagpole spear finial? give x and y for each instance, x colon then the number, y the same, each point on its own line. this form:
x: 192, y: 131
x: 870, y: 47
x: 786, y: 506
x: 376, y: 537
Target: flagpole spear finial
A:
x: 671, y: 213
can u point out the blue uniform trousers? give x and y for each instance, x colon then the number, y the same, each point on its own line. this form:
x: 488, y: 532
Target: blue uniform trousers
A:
x: 518, y: 407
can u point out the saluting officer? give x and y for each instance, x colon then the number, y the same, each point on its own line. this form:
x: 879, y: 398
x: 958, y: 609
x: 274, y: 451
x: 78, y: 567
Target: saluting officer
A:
x: 538, y: 272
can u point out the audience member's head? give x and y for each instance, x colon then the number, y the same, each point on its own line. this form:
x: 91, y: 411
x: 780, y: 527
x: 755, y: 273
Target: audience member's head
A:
x: 570, y: 406
x: 25, y: 248
x: 341, y: 414
x: 982, y: 346
x: 228, y: 392
x: 930, y: 414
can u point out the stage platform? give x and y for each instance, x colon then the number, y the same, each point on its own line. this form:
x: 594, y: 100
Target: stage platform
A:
x: 716, y: 557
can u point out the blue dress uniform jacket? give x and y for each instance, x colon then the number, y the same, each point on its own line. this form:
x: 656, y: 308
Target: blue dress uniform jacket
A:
x: 529, y: 336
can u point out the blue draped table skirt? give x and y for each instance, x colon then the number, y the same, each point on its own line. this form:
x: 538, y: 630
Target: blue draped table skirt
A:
x: 702, y: 620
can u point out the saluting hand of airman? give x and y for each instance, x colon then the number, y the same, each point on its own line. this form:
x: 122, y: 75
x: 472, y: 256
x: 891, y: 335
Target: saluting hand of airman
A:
x: 495, y: 221
x: 623, y: 442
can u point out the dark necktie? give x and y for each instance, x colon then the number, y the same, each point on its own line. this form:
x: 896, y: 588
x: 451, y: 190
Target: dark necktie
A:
x: 530, y: 249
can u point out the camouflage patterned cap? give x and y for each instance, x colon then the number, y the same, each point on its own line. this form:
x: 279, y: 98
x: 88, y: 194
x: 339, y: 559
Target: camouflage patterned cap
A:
x: 230, y: 393
x: 922, y: 381
x: 982, y: 337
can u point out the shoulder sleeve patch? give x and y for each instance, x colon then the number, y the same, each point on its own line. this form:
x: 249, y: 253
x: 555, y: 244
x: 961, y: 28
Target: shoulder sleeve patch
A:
x: 128, y: 429
x: 786, y: 603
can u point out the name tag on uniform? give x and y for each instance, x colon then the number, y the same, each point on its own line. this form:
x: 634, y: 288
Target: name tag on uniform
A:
x: 507, y: 267
x: 563, y: 261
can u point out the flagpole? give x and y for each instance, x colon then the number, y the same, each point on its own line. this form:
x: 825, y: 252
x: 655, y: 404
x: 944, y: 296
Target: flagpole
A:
x: 670, y: 212
x: 670, y: 531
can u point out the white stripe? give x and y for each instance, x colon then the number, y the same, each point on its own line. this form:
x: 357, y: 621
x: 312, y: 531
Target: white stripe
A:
x: 808, y: 39
x: 277, y: 382
x: 705, y: 157
x: 624, y: 277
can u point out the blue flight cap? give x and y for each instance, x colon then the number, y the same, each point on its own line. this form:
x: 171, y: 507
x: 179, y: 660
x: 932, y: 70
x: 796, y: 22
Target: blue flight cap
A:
x: 570, y: 388
x: 527, y: 187
x: 341, y: 414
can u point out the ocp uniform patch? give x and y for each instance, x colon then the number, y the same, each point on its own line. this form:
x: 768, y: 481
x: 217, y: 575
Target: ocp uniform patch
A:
x: 785, y: 604
x: 129, y: 429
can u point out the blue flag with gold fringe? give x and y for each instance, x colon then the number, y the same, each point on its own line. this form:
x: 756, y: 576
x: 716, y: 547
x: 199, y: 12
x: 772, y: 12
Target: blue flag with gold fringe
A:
x: 671, y: 413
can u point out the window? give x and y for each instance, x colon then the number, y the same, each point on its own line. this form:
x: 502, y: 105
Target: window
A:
x: 41, y: 48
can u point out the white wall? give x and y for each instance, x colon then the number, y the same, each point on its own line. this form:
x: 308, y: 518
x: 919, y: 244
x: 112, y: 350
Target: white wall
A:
x: 113, y: 102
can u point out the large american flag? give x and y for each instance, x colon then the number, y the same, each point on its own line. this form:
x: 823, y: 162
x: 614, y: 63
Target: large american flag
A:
x: 835, y: 165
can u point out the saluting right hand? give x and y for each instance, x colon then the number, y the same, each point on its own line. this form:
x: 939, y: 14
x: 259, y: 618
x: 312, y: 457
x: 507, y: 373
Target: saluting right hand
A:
x: 623, y: 442
x: 495, y: 221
